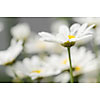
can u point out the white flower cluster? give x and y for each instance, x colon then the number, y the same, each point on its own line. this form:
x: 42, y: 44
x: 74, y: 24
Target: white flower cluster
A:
x: 49, y: 58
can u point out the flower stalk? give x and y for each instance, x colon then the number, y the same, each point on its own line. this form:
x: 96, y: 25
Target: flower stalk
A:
x: 71, y: 70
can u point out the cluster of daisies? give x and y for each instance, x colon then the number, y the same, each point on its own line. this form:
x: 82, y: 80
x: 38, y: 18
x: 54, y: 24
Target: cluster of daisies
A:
x: 42, y: 57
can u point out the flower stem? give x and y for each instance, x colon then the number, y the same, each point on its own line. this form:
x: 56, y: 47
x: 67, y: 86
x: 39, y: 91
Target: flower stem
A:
x: 71, y: 71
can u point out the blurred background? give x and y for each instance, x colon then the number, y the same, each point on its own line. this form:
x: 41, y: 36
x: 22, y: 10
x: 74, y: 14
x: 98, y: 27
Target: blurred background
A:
x: 36, y: 25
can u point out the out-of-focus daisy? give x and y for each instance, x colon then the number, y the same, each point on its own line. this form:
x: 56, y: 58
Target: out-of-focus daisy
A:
x: 32, y: 67
x: 89, y: 20
x: 68, y: 37
x: 34, y: 45
x: 36, y: 67
x: 84, y: 61
x: 21, y: 31
x: 56, y: 63
x: 56, y: 25
x: 9, y: 55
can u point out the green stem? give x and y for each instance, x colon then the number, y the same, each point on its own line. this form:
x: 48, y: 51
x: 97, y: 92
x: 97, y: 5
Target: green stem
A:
x: 71, y: 71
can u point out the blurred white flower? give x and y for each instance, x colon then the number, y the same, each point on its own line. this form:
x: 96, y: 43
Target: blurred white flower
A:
x: 32, y: 67
x: 34, y: 45
x: 68, y: 37
x: 21, y: 31
x: 56, y: 25
x: 89, y: 20
x: 84, y: 61
x: 9, y: 55
x: 37, y: 67
x: 57, y: 63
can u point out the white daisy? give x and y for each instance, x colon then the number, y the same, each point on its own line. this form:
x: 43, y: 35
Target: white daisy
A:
x: 32, y: 67
x: 21, y: 31
x: 36, y: 67
x: 9, y: 55
x: 84, y: 61
x: 68, y: 37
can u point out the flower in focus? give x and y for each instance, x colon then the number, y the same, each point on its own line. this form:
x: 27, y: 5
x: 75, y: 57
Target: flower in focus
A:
x: 9, y: 55
x: 21, y: 31
x: 68, y: 37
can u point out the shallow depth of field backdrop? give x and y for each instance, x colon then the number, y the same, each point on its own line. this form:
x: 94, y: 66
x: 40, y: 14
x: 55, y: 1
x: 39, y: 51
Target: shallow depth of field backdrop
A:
x: 85, y: 54
x: 36, y: 24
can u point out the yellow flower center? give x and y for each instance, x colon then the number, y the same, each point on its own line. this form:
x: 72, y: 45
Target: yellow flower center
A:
x: 71, y: 36
x: 64, y: 62
x: 77, y: 68
x: 36, y: 71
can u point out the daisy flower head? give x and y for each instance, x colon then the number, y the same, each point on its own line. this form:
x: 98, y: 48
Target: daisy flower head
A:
x: 21, y: 31
x: 84, y: 60
x: 32, y: 67
x: 9, y: 55
x: 36, y: 67
x: 67, y: 37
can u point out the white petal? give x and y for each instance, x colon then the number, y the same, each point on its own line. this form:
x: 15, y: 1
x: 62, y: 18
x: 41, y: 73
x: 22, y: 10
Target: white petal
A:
x: 64, y: 30
x: 85, y: 38
x: 45, y: 34
x: 88, y: 29
x: 72, y: 40
x: 47, y: 37
x: 61, y: 37
x: 74, y: 28
x: 82, y: 28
